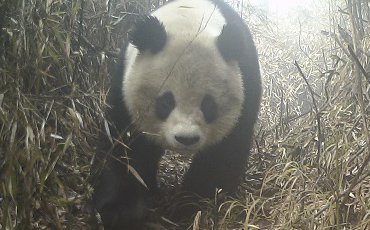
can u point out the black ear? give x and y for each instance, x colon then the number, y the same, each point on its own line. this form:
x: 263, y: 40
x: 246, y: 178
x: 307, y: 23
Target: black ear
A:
x: 232, y: 42
x: 148, y: 34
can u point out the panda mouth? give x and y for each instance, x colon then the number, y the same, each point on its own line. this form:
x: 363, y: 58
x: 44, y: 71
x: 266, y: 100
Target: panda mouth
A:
x: 185, y: 150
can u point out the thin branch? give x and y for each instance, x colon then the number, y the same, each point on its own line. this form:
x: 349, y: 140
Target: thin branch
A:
x: 318, y: 120
x: 358, y: 63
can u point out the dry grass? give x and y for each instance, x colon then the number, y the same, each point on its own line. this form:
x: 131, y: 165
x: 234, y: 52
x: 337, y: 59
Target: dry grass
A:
x: 310, y: 165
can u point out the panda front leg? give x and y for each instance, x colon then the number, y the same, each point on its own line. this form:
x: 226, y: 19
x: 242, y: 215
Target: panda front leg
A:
x: 219, y: 167
x: 119, y: 196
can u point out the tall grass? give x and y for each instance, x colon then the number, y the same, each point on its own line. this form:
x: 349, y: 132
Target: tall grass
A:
x: 55, y: 62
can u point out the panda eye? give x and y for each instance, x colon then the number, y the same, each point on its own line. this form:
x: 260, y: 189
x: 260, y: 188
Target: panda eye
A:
x: 164, y: 105
x: 209, y: 108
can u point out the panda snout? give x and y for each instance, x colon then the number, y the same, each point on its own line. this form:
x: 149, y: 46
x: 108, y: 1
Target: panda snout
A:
x: 187, y: 140
x: 184, y: 136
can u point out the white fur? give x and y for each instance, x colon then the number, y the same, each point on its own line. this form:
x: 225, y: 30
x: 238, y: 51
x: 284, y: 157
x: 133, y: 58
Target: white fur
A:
x: 178, y: 125
x: 189, y: 66
x: 191, y: 18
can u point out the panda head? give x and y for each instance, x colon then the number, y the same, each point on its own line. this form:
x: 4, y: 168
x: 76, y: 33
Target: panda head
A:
x: 182, y: 85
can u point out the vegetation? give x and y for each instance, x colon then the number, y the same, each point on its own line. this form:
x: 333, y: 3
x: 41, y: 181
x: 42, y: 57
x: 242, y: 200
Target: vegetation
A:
x: 309, y: 168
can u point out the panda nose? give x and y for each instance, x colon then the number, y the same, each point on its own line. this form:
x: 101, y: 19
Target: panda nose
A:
x: 187, y: 140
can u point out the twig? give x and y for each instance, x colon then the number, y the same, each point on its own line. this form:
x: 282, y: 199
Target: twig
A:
x: 97, y: 49
x: 80, y: 31
x: 318, y: 120
x: 358, y: 63
x: 215, y: 213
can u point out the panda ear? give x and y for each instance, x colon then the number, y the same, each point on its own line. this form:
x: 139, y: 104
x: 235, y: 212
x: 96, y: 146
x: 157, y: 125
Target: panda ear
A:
x: 232, y: 42
x: 148, y: 34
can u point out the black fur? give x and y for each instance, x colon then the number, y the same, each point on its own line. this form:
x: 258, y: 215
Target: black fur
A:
x: 148, y: 34
x: 209, y: 108
x: 119, y: 196
x: 164, y: 105
x: 231, y: 42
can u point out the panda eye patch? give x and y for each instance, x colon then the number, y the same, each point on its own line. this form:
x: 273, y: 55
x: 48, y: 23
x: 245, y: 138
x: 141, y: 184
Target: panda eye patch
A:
x: 209, y: 108
x: 164, y: 105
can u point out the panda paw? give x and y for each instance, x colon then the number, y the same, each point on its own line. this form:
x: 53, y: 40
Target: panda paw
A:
x: 122, y: 217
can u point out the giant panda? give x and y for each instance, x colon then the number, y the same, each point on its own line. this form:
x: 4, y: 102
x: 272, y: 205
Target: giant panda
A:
x: 187, y: 80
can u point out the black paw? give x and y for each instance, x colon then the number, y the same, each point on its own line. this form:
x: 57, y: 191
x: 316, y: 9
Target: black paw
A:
x: 123, y: 217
